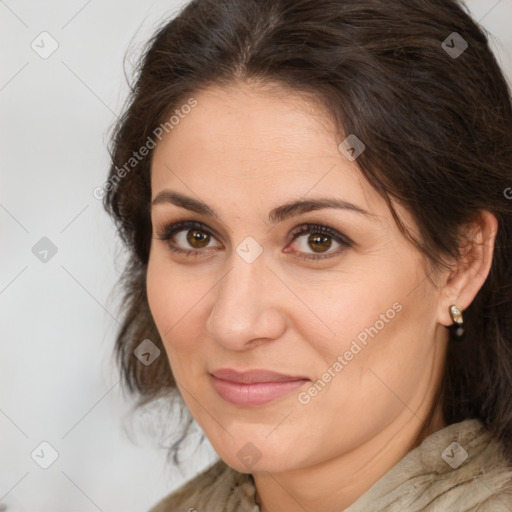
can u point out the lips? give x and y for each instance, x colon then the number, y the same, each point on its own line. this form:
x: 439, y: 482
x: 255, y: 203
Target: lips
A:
x: 253, y: 387
x: 253, y: 376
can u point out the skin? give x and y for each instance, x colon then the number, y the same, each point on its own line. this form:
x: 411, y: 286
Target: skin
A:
x: 244, y: 151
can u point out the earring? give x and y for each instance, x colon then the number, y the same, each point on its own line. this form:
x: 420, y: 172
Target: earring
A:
x: 456, y: 315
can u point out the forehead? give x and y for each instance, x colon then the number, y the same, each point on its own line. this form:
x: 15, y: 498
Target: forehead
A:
x: 258, y: 144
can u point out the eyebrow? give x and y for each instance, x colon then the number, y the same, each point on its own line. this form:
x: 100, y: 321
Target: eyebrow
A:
x: 278, y: 214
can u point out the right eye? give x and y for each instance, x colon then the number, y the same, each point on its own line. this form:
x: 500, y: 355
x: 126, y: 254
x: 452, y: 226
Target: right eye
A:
x: 191, y: 233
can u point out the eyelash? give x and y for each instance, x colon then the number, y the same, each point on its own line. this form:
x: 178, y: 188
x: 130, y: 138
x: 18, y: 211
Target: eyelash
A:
x: 172, y: 229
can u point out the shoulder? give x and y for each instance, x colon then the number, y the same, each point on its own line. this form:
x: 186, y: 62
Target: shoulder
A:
x: 493, y: 475
x: 459, y: 468
x: 469, y: 467
x: 472, y: 471
x: 216, y: 486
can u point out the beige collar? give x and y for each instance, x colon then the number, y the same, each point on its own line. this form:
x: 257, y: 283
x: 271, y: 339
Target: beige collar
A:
x: 457, y: 469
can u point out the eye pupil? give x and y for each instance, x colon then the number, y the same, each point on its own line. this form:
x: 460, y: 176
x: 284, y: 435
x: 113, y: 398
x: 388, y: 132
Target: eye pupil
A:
x: 197, y: 238
x: 320, y: 241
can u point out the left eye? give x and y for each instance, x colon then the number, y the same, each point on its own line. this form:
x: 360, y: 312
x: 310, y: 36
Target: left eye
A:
x: 319, y: 240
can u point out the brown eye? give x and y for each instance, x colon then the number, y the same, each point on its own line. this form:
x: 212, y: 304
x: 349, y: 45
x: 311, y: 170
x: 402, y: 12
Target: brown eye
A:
x: 197, y: 238
x: 315, y: 241
x: 189, y: 238
x: 319, y: 242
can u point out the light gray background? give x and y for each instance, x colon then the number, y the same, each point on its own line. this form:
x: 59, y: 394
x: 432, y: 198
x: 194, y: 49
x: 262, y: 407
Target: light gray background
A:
x: 58, y: 382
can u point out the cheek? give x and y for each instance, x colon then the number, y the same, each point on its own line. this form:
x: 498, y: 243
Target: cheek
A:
x: 379, y: 352
x: 171, y: 298
x: 159, y: 293
x: 179, y: 300
x: 345, y: 307
x: 372, y: 314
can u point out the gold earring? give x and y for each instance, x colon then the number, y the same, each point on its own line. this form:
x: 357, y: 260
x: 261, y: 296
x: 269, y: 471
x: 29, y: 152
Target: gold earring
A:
x: 456, y: 314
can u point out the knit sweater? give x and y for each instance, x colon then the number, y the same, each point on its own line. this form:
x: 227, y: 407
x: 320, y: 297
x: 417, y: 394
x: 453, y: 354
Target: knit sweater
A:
x: 460, y: 468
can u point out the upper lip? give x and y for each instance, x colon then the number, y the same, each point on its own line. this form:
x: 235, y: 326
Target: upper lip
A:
x: 253, y: 376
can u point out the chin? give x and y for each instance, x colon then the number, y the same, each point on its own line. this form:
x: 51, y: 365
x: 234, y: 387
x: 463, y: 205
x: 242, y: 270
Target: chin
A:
x: 274, y: 465
x: 257, y: 454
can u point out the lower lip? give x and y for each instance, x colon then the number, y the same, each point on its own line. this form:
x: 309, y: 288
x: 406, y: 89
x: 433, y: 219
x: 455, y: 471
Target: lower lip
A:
x: 259, y: 393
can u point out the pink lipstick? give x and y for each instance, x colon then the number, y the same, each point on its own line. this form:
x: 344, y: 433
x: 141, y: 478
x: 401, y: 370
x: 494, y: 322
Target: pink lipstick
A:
x: 254, y: 387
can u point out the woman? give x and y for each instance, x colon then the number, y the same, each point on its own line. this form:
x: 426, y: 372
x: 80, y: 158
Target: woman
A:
x: 315, y: 196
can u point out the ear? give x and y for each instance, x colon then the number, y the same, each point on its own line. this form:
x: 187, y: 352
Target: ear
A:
x: 472, y: 268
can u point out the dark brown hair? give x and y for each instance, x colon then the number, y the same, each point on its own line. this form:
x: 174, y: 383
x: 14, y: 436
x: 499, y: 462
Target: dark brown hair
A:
x: 438, y: 133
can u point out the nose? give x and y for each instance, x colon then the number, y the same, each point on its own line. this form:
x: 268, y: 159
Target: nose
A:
x: 248, y: 306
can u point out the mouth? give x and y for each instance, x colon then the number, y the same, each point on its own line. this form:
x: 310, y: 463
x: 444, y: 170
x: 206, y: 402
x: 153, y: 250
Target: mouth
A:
x: 254, y: 387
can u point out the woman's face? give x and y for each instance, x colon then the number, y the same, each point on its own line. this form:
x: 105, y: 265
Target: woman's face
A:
x: 354, y: 334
